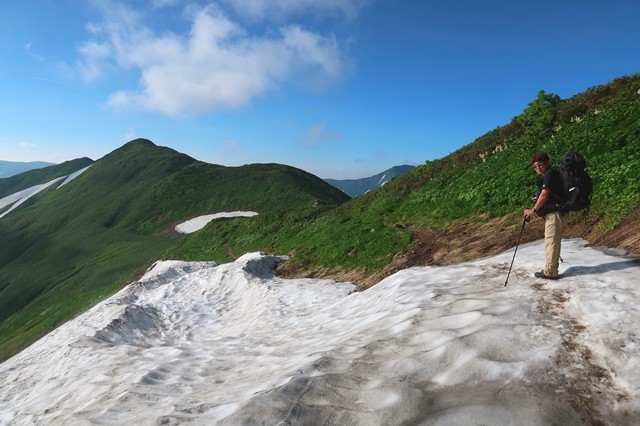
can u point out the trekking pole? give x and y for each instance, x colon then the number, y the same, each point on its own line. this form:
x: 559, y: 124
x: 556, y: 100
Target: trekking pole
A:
x: 526, y: 219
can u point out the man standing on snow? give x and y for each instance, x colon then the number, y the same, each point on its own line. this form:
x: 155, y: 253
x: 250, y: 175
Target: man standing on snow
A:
x: 546, y: 205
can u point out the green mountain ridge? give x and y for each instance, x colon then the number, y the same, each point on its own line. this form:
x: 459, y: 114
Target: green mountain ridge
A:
x: 69, y: 248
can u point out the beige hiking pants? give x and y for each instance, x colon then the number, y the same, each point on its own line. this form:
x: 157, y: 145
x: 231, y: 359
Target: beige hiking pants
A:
x: 553, y: 227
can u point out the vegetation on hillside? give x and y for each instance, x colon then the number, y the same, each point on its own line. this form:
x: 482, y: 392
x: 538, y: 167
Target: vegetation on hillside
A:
x: 490, y: 176
x: 70, y: 247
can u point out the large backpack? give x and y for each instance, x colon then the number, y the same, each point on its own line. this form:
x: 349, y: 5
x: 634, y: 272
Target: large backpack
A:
x: 576, y: 182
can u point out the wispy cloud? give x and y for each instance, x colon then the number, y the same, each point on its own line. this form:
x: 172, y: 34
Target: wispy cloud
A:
x: 27, y: 145
x: 317, y: 135
x: 130, y: 135
x: 28, y: 48
x: 94, y: 55
x: 217, y: 65
x: 164, y: 3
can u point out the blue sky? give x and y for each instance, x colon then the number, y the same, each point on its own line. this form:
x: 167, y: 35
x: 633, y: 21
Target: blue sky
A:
x: 340, y: 88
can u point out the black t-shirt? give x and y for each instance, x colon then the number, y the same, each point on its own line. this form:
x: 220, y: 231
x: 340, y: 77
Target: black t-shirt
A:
x: 553, y: 181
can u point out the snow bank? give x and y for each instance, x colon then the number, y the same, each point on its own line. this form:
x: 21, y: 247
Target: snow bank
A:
x: 232, y: 344
x: 20, y: 197
x: 196, y: 224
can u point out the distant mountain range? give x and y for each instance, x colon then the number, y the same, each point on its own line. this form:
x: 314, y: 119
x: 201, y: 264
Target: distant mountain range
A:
x: 356, y: 187
x: 10, y: 168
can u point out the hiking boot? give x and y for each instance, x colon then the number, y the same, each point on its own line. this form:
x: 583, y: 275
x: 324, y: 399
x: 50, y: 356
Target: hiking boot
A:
x: 541, y: 274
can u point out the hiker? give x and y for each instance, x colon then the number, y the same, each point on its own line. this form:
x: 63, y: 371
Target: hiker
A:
x: 547, y: 202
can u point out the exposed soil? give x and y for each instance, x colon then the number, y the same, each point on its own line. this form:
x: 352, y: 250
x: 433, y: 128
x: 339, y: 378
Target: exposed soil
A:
x: 626, y: 236
x: 588, y: 383
x: 466, y: 240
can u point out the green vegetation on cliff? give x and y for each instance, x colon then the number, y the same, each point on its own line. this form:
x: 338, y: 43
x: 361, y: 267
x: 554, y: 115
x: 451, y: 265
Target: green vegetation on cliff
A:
x: 490, y: 176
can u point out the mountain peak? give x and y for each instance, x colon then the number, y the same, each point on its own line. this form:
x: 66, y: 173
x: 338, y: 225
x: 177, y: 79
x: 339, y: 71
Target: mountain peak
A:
x: 139, y: 142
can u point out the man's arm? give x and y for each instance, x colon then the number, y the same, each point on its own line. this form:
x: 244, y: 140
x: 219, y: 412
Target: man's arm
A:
x: 540, y: 202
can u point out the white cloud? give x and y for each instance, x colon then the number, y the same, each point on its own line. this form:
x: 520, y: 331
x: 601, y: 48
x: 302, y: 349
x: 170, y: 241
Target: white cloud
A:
x: 217, y: 65
x: 95, y: 55
x: 315, y: 53
x: 318, y: 134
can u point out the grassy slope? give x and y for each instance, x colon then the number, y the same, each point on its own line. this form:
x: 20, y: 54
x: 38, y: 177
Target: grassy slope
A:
x: 489, y: 177
x: 73, y: 246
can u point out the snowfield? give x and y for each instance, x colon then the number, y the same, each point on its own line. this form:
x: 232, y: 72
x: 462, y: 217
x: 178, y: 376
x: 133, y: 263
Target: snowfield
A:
x: 17, y: 198
x: 197, y: 223
x: 203, y: 343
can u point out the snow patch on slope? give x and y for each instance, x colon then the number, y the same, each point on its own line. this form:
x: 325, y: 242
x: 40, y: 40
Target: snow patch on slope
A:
x: 234, y: 344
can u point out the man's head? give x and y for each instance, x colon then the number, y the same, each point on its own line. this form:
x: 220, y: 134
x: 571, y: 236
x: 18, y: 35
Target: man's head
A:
x: 541, y: 162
